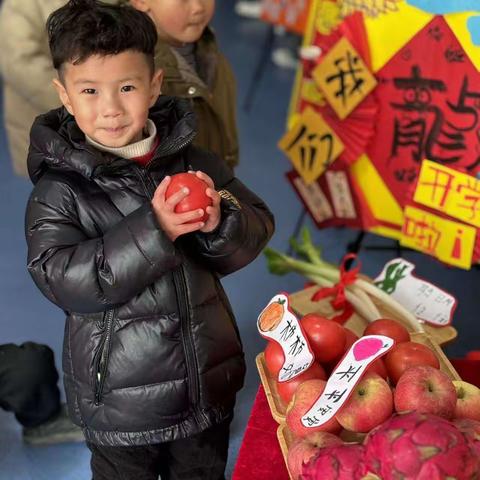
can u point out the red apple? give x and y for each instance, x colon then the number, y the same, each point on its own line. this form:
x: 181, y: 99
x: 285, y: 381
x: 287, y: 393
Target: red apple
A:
x: 468, y: 400
x: 287, y: 389
x: 426, y: 390
x: 303, y: 449
x: 306, y: 395
x: 369, y: 405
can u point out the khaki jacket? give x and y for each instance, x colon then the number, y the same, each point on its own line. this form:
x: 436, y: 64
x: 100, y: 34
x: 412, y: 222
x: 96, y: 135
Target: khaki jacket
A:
x: 27, y: 71
x: 214, y: 101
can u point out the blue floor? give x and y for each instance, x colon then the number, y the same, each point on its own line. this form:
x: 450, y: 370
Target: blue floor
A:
x: 26, y: 315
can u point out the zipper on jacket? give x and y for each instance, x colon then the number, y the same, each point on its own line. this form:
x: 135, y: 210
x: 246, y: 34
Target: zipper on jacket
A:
x: 102, y: 356
x: 182, y: 299
x: 191, y: 360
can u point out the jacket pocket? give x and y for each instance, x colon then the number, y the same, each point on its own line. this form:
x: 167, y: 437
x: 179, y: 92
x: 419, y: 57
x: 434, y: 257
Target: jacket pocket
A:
x: 100, y: 360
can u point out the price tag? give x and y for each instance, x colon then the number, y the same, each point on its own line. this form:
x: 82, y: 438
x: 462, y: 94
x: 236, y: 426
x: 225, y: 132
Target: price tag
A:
x: 345, y: 377
x: 425, y: 300
x: 278, y: 323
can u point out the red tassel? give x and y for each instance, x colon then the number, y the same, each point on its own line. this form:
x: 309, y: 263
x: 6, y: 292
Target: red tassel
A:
x: 339, y: 301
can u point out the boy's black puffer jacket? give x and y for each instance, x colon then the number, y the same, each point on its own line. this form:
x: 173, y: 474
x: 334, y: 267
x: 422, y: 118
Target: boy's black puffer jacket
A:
x: 151, y: 351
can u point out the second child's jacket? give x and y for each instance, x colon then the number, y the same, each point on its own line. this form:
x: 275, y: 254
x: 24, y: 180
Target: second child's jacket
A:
x: 151, y: 351
x: 213, y: 99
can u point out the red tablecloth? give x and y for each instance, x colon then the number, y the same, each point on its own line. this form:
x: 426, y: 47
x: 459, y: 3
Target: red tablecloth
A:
x: 260, y: 457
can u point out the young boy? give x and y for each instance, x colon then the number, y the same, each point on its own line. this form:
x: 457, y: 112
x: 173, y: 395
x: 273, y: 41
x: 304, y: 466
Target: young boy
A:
x: 195, y: 69
x: 152, y: 357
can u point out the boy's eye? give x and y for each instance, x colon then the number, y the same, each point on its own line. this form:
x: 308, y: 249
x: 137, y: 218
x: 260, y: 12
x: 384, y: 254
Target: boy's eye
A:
x: 128, y: 88
x: 89, y: 91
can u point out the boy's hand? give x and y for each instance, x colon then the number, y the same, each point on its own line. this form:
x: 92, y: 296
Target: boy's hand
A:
x: 214, y: 210
x: 174, y: 224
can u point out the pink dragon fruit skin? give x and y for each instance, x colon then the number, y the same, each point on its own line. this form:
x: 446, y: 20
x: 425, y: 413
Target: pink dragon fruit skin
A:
x: 416, y: 446
x: 335, y: 463
x: 471, y: 429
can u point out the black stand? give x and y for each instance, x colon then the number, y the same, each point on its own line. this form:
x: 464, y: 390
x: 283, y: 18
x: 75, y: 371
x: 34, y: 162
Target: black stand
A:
x: 357, y: 245
x: 263, y: 60
x: 298, y: 226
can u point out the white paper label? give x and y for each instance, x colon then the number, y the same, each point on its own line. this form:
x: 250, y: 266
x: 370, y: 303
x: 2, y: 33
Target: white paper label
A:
x: 315, y: 199
x: 426, y: 301
x: 341, y: 195
x: 278, y: 323
x: 345, y: 377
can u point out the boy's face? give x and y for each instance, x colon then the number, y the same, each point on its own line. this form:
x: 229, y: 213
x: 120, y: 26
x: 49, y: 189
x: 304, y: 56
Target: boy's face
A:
x: 178, y: 21
x: 110, y: 96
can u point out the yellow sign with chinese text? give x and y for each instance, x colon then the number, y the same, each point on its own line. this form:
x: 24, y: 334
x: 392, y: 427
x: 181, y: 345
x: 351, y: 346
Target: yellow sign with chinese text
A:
x: 454, y: 193
x: 311, y: 145
x: 344, y: 78
x: 449, y: 241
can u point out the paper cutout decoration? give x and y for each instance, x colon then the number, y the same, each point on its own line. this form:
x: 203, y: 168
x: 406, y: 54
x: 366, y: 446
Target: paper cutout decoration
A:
x: 343, y: 78
x: 451, y: 242
x: 333, y: 200
x: 345, y: 377
x: 423, y: 299
x: 425, y: 111
x: 311, y: 145
x: 277, y: 323
x: 449, y: 191
x: 291, y: 14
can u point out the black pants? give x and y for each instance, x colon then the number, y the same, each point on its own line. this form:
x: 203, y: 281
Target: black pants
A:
x: 28, y: 383
x: 201, y: 457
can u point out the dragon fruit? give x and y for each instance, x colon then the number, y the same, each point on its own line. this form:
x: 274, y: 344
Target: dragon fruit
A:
x: 471, y: 429
x: 334, y: 463
x: 416, y: 446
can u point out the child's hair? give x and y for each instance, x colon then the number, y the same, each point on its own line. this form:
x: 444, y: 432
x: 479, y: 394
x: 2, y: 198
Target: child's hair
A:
x: 83, y: 28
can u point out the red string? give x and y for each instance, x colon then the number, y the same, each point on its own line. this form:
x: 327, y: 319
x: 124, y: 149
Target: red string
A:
x: 339, y: 301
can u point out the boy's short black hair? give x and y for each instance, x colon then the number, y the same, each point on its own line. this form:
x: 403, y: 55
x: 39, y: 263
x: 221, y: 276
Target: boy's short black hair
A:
x: 83, y: 28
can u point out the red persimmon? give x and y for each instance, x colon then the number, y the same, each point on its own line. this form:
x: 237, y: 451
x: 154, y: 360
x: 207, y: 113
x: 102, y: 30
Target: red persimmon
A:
x: 408, y: 354
x: 389, y: 328
x: 326, y: 337
x: 274, y: 358
x: 197, y: 197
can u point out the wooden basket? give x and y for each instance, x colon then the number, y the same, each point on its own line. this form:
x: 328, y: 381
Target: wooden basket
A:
x: 300, y: 302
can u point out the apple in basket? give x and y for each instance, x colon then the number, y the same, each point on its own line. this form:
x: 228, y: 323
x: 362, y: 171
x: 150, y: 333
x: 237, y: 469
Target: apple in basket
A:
x: 425, y: 389
x: 305, y: 396
x: 287, y: 389
x: 468, y: 400
x: 369, y: 405
x: 303, y: 449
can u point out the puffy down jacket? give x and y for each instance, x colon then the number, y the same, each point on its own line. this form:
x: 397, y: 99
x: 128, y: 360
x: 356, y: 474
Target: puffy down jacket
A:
x: 151, y: 351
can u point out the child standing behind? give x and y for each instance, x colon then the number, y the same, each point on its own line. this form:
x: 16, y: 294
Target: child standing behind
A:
x: 194, y: 68
x: 152, y: 358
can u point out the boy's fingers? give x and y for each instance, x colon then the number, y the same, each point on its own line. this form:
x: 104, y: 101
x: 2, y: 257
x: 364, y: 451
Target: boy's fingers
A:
x: 187, y: 216
x: 176, y: 197
x: 190, y: 227
x: 162, y: 188
x: 205, y: 178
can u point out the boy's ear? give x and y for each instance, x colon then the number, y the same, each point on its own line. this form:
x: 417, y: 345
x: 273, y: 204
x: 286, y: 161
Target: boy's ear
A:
x: 141, y: 5
x: 63, y: 95
x: 156, y: 86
